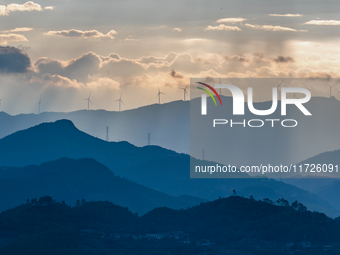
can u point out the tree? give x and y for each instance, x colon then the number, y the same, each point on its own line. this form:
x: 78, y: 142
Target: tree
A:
x: 295, y: 204
x: 78, y: 202
x: 45, y: 199
x: 234, y: 192
x: 267, y: 200
x: 282, y: 202
x: 83, y: 201
x: 251, y: 198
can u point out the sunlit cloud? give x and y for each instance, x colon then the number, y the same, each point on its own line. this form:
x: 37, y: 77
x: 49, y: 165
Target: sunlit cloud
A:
x: 230, y: 20
x: 323, y: 22
x: 5, y: 38
x: 49, y: 8
x: 223, y: 27
x: 28, y: 6
x: 273, y: 28
x: 57, y: 80
x: 196, y: 40
x: 131, y: 39
x: 286, y: 15
x: 177, y: 29
x: 84, y: 34
x: 19, y: 29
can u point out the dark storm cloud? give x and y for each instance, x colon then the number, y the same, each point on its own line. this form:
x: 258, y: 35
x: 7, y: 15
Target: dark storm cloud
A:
x: 281, y: 59
x: 175, y: 74
x: 13, y: 60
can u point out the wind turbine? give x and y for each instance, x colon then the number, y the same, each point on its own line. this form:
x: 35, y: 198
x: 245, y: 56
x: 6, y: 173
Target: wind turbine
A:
x: 120, y: 101
x: 159, y: 96
x: 279, y: 87
x: 40, y: 104
x: 88, y: 102
x: 220, y: 88
x: 185, y: 91
x: 330, y: 90
x: 0, y: 101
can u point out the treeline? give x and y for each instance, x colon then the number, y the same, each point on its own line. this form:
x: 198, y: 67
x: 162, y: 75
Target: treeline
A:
x: 224, y: 224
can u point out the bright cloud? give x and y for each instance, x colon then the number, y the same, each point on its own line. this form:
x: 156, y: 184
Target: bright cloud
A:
x: 323, y: 22
x: 57, y: 80
x: 286, y: 15
x: 230, y: 20
x: 177, y: 29
x: 84, y: 34
x: 49, y: 8
x: 28, y: 6
x: 5, y: 38
x: 20, y: 29
x: 223, y: 27
x: 273, y: 28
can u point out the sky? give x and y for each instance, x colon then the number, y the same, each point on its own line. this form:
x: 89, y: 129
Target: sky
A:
x: 62, y: 52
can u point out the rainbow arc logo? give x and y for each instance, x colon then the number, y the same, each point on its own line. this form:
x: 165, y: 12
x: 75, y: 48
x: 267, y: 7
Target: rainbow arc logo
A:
x: 209, y: 93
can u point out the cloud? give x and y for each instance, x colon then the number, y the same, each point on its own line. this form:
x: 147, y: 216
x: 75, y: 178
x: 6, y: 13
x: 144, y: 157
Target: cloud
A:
x: 175, y: 74
x: 19, y: 29
x: 230, y: 20
x: 131, y: 39
x: 28, y: 6
x: 13, y: 60
x: 49, y: 8
x: 56, y: 80
x: 281, y: 59
x: 84, y: 34
x: 323, y: 22
x: 100, y: 82
x: 223, y: 27
x: 238, y: 58
x: 177, y: 29
x: 273, y: 28
x: 79, y: 69
x: 317, y: 75
x: 286, y: 15
x: 5, y: 38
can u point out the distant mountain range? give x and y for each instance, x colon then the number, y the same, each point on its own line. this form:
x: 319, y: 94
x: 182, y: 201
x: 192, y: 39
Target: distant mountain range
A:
x: 325, y: 184
x: 152, y: 166
x: 71, y: 180
x: 169, y: 127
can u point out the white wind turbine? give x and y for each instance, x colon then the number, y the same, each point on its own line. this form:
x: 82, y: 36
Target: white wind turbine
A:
x: 220, y: 88
x: 185, y: 91
x: 40, y: 104
x: 159, y: 95
x: 88, y: 102
x: 120, y: 101
x: 278, y: 90
x: 330, y: 90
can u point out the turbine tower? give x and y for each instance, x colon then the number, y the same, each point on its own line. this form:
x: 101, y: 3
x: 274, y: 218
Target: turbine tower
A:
x: 185, y: 91
x: 220, y: 88
x: 279, y: 87
x: 0, y: 101
x: 88, y: 102
x: 40, y: 104
x: 120, y: 101
x: 330, y: 90
x: 159, y: 95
